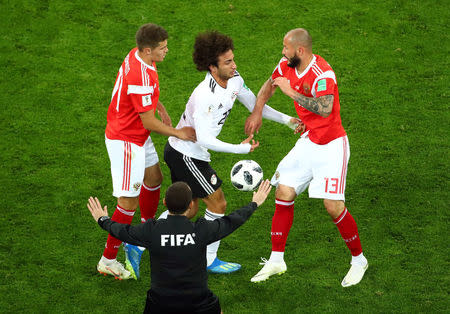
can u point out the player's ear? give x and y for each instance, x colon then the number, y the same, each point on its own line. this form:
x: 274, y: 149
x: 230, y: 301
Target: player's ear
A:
x: 212, y: 68
x: 147, y: 51
x: 164, y: 202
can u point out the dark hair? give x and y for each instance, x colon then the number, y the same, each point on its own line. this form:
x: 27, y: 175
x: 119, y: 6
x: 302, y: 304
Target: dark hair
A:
x: 150, y: 35
x: 178, y: 197
x: 208, y: 47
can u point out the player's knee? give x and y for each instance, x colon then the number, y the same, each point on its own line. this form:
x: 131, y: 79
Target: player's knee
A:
x: 334, y: 207
x: 154, y: 178
x: 285, y: 193
x: 128, y: 203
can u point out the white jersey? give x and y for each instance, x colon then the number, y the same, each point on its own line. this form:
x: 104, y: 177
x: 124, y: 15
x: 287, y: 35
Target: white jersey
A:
x: 207, y: 110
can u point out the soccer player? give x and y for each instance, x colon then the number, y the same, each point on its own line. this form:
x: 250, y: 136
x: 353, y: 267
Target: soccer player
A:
x: 207, y: 110
x: 319, y: 158
x: 177, y: 246
x: 135, y: 170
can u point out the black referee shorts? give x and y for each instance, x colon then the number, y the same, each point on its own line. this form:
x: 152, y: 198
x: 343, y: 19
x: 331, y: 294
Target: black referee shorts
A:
x: 198, y: 174
x: 204, y: 304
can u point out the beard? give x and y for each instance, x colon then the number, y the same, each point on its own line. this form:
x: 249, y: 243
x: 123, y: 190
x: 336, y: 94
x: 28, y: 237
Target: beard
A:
x: 293, y: 62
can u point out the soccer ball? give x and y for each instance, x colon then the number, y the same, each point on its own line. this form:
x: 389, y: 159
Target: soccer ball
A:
x: 246, y: 175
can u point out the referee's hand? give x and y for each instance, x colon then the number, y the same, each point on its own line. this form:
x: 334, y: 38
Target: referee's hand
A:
x: 260, y: 196
x: 95, y: 208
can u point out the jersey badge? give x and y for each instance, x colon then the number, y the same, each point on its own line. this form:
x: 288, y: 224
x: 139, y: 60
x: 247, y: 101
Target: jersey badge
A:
x: 213, y: 179
x: 321, y: 85
x: 146, y: 100
x: 306, y: 88
x: 136, y: 186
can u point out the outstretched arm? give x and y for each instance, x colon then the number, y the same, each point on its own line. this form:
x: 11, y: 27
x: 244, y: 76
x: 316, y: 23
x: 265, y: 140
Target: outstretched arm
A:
x: 222, y: 227
x: 152, y: 123
x: 136, y: 235
x: 254, y: 121
x: 248, y: 99
x: 322, y: 105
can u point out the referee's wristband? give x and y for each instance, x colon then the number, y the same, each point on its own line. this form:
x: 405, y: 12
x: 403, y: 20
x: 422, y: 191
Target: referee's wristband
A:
x: 102, y: 219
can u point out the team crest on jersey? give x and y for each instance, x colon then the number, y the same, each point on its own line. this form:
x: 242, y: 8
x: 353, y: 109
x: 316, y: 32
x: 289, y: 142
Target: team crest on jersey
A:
x: 306, y: 88
x: 213, y: 179
x: 277, y: 175
x: 136, y: 186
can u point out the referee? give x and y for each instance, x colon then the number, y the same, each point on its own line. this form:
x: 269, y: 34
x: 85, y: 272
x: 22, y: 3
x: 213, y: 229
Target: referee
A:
x: 177, y: 246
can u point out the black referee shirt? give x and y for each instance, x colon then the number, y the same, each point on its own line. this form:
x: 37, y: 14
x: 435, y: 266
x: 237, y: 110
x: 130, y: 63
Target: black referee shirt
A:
x: 177, y: 247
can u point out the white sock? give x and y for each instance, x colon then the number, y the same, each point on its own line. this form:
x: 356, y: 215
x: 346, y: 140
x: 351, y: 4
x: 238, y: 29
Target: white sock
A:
x: 107, y: 261
x: 211, y: 249
x: 164, y: 215
x: 360, y: 259
x: 276, y: 257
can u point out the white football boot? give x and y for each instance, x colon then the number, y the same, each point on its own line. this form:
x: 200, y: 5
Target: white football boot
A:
x: 269, y: 269
x: 114, y: 268
x: 355, y: 274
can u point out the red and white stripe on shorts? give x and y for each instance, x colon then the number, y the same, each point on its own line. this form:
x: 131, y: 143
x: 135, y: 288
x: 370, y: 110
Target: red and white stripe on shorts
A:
x: 344, y: 165
x: 126, y: 166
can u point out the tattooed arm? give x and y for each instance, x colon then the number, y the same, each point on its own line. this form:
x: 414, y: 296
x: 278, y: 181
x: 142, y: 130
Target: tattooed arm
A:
x: 322, y: 105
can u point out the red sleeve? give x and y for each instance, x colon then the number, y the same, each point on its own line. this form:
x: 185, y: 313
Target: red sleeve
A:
x: 143, y: 98
x: 325, y: 86
x: 280, y: 69
x: 143, y: 103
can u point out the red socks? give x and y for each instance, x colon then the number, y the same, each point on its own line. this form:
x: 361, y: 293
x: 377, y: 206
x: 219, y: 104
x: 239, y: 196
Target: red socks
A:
x: 148, y: 201
x: 349, y: 232
x: 281, y: 224
x: 112, y: 244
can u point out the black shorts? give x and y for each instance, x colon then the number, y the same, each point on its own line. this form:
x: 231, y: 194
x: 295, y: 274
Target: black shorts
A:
x: 198, y: 174
x: 207, y: 303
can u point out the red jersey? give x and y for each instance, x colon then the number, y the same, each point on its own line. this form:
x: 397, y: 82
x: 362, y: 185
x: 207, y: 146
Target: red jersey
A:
x: 136, y: 90
x: 318, y: 79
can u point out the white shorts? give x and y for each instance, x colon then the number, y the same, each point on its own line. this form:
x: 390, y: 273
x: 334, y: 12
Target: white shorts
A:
x: 128, y: 163
x: 321, y: 167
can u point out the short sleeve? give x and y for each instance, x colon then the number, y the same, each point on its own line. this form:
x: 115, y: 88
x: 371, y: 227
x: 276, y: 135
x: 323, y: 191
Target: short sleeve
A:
x: 280, y: 68
x: 324, y: 86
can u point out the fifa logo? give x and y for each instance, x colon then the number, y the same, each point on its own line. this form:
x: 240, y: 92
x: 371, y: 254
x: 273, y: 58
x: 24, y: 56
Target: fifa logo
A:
x: 177, y: 239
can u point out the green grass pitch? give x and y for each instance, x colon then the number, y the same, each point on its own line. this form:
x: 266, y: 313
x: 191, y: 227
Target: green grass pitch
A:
x: 59, y: 60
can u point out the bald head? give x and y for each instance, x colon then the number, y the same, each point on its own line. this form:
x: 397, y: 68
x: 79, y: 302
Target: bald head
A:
x: 300, y: 37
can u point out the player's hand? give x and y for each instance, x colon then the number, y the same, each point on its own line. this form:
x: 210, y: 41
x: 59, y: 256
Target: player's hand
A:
x: 297, y: 125
x: 252, y: 142
x: 293, y: 123
x: 187, y: 133
x: 165, y: 118
x: 95, y: 208
x: 253, y: 123
x: 260, y: 196
x: 283, y: 84
x: 300, y: 128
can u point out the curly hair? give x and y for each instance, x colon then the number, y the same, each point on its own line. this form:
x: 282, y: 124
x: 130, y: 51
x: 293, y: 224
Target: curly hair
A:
x: 208, y: 47
x: 150, y: 35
